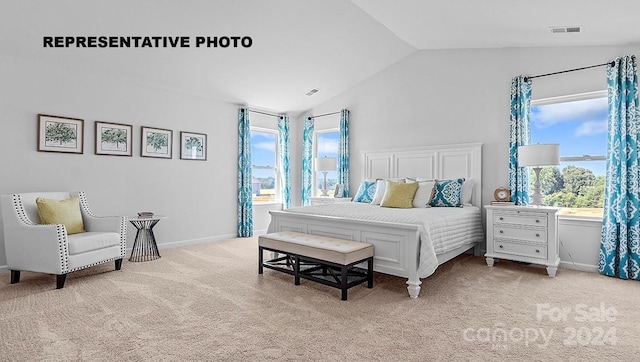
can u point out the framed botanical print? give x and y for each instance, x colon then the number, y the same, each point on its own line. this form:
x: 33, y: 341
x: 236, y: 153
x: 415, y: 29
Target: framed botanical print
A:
x: 156, y: 142
x: 193, y: 146
x: 60, y: 134
x: 114, y: 139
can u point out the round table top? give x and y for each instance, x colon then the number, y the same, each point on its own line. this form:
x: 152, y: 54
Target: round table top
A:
x: 154, y: 217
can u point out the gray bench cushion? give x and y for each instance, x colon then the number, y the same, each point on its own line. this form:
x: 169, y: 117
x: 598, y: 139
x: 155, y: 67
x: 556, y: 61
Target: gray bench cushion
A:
x: 339, y: 251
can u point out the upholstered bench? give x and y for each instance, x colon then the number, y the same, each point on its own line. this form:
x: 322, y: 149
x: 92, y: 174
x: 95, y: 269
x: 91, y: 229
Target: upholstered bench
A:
x: 322, y: 259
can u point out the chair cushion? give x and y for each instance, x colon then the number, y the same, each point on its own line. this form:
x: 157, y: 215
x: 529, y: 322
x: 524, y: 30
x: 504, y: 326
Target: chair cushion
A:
x: 89, y: 241
x: 65, y: 212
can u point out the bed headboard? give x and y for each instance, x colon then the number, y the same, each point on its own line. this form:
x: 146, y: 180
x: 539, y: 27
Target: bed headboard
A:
x: 432, y: 162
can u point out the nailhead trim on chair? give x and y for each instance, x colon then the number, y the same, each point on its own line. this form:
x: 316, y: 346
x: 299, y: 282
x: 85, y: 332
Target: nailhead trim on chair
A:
x: 60, y: 231
x: 22, y: 215
x: 62, y: 246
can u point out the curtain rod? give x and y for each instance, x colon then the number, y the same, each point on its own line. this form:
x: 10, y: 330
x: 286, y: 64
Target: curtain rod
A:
x: 611, y: 63
x: 326, y: 114
x: 265, y: 113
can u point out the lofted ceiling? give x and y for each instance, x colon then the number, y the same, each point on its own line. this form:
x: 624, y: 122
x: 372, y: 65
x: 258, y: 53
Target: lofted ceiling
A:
x: 298, y: 45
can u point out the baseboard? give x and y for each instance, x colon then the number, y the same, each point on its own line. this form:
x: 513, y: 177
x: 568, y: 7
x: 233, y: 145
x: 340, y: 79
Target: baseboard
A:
x: 579, y: 266
x: 181, y: 243
x: 175, y: 244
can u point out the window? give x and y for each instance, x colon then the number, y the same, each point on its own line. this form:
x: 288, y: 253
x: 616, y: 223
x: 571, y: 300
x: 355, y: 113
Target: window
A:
x: 579, y: 124
x: 326, y: 145
x: 264, y: 151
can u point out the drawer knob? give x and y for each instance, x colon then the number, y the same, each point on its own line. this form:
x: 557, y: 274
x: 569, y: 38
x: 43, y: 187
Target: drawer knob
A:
x: 537, y: 235
x: 501, y: 232
x: 537, y: 221
x: 501, y: 218
x: 537, y: 250
x: 501, y: 246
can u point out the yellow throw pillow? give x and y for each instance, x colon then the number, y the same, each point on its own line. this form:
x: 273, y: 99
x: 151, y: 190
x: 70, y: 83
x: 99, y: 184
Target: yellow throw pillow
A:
x: 65, y: 212
x: 399, y: 195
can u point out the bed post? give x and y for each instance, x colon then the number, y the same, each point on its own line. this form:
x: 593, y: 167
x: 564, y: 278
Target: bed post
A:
x: 412, y: 255
x: 413, y: 286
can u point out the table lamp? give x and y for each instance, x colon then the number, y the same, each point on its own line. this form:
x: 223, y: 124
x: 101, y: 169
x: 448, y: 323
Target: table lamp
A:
x: 538, y: 156
x: 324, y: 165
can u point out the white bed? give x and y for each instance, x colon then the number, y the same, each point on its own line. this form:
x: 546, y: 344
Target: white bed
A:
x: 406, y: 245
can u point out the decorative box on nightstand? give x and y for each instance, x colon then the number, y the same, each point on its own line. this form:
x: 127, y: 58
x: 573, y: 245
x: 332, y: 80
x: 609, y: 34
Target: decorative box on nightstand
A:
x: 328, y: 200
x: 523, y: 233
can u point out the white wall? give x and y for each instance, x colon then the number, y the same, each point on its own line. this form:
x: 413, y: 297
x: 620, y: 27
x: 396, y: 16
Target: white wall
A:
x: 431, y: 97
x: 198, y: 196
x: 457, y: 96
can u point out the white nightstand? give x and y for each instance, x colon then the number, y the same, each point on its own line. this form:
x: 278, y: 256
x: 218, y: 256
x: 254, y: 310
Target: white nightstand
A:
x: 523, y: 233
x: 328, y: 200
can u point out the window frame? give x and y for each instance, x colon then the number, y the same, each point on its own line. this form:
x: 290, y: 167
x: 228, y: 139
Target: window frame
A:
x: 577, y: 158
x: 278, y: 180
x: 314, y: 173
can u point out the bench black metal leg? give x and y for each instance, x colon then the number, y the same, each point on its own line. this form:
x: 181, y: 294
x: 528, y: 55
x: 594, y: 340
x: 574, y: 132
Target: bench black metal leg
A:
x: 118, y: 264
x: 296, y: 269
x: 260, y: 260
x: 343, y: 274
x: 370, y: 272
x: 15, y: 276
x: 60, y: 278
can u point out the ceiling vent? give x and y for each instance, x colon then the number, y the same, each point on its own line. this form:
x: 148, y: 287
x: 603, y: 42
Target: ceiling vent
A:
x: 566, y: 29
x: 312, y: 92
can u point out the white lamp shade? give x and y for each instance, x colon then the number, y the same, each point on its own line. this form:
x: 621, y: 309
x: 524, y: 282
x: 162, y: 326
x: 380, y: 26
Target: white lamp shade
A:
x: 326, y: 164
x: 539, y: 155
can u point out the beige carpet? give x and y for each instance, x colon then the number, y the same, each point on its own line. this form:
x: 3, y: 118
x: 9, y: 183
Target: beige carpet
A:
x: 207, y: 303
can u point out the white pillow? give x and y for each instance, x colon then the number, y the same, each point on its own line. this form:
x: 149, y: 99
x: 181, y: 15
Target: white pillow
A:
x: 467, y: 192
x: 423, y: 196
x: 381, y: 186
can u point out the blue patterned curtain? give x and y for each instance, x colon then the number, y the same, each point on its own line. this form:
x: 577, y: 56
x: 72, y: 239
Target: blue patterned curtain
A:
x: 519, y: 134
x: 620, y: 245
x: 343, y: 152
x: 285, y: 173
x: 245, y: 196
x: 307, y: 160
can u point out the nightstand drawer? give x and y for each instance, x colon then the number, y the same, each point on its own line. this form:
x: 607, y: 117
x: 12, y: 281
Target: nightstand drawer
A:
x: 533, y: 251
x: 509, y: 232
x: 520, y: 218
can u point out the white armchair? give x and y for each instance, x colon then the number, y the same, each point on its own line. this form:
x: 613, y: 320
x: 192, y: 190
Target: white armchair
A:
x: 47, y: 248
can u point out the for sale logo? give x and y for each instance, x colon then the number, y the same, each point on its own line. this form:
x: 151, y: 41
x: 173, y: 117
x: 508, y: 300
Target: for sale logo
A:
x: 582, y: 313
x: 590, y: 328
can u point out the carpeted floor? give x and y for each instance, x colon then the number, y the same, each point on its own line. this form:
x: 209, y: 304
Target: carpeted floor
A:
x: 207, y: 303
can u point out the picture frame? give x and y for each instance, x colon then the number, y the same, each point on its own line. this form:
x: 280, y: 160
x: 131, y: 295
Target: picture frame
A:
x: 60, y: 134
x: 339, y: 190
x: 193, y: 146
x: 114, y: 139
x: 156, y: 142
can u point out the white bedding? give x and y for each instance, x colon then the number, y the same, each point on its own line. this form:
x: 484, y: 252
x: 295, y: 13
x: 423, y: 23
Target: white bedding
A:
x: 441, y: 229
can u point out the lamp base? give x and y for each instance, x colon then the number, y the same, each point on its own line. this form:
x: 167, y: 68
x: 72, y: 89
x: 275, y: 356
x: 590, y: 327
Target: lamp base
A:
x: 536, y: 198
x: 324, y: 185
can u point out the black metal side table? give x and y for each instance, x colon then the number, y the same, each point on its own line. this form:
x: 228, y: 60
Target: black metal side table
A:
x: 145, y: 247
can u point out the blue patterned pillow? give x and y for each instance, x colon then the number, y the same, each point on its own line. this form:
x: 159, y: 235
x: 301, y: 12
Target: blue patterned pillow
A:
x: 365, y: 192
x: 446, y: 193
